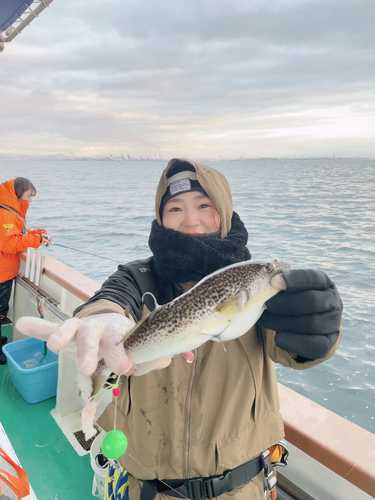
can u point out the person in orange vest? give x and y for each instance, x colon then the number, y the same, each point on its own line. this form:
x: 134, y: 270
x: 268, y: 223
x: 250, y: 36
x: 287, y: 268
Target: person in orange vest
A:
x: 15, y: 198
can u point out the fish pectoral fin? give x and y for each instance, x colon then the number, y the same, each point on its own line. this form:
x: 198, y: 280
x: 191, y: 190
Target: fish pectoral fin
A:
x: 269, y: 292
x: 216, y: 331
x: 234, y: 304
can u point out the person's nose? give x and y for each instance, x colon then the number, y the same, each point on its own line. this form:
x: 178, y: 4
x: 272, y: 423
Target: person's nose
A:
x: 191, y: 218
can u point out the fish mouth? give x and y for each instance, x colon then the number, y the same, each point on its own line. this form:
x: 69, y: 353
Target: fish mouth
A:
x: 277, y: 266
x: 283, y: 264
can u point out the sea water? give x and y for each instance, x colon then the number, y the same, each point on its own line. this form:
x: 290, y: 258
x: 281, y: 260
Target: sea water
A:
x: 313, y: 213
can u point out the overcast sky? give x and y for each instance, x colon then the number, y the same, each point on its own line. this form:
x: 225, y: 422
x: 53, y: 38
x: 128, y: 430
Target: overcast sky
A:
x: 196, y: 78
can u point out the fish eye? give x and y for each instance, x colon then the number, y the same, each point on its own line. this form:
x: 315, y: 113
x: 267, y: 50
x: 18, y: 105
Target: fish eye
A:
x: 269, y: 267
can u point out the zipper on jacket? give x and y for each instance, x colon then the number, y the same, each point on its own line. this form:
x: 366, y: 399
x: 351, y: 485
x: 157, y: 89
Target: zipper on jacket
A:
x: 188, y: 414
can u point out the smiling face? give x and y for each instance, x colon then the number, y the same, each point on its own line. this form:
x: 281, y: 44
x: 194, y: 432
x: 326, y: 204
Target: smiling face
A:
x: 191, y: 213
x: 28, y: 195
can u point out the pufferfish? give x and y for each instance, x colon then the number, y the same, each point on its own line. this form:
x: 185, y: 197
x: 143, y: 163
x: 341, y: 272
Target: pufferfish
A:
x: 222, y: 306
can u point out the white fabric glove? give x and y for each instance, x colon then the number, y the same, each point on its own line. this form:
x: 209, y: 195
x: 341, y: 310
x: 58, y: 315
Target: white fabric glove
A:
x: 92, y: 336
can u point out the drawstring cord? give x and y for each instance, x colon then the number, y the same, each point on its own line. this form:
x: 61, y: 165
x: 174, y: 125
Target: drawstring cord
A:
x: 40, y: 303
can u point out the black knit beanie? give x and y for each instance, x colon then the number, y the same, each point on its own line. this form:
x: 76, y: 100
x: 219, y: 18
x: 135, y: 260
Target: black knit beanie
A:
x: 181, y: 179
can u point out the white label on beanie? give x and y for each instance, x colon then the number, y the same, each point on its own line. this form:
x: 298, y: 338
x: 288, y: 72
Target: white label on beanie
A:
x: 180, y: 186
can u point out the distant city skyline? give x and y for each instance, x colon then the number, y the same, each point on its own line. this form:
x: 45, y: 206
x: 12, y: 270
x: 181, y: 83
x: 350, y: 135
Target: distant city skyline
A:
x: 225, y: 79
x: 122, y: 158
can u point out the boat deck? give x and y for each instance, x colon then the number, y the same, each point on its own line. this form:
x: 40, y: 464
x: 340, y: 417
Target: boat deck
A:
x: 55, y: 470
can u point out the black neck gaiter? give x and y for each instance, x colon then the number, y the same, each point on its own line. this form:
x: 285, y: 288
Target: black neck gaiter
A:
x: 180, y: 258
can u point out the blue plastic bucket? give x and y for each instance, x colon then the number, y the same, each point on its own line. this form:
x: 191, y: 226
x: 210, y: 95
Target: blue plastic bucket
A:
x: 35, y: 381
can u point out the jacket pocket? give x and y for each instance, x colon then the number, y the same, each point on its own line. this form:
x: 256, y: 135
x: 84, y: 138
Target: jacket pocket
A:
x: 237, y: 451
x: 263, y: 375
x: 124, y: 399
x: 128, y: 400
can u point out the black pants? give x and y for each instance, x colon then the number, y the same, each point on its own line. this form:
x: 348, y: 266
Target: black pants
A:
x: 5, y: 291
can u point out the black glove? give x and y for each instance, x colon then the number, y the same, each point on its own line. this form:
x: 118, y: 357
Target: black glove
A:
x: 306, y: 316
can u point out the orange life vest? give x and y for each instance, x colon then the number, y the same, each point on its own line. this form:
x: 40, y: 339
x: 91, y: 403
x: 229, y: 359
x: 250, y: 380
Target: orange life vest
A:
x: 11, y: 226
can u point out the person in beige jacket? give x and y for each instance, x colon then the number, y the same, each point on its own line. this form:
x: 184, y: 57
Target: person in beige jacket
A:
x: 202, y: 422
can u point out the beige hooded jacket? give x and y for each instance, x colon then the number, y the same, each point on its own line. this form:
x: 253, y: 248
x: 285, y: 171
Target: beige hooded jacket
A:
x: 200, y: 419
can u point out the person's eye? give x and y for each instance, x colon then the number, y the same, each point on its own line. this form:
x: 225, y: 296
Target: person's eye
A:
x: 174, y: 209
x: 204, y: 205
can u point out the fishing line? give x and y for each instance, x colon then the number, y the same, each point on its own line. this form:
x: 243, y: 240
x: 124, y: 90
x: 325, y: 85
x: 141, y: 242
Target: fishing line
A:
x: 115, y: 419
x: 165, y: 484
x: 83, y: 251
x: 40, y: 303
x: 218, y: 337
x: 115, y: 386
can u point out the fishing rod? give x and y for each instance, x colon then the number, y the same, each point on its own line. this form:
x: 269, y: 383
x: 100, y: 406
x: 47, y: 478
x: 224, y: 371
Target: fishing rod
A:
x: 50, y: 242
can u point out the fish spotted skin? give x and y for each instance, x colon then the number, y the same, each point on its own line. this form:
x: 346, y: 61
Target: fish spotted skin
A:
x: 222, y: 306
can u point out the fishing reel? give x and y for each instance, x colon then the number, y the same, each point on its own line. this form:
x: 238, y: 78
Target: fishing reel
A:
x: 49, y: 240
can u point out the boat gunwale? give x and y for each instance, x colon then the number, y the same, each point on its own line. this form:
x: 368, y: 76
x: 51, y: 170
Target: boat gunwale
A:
x: 339, y: 444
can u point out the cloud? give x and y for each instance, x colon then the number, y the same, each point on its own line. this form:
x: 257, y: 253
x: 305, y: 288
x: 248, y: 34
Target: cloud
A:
x: 190, y: 76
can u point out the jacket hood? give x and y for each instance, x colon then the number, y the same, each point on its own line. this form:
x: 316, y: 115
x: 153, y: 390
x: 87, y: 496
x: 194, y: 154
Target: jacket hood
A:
x: 8, y: 197
x: 212, y: 181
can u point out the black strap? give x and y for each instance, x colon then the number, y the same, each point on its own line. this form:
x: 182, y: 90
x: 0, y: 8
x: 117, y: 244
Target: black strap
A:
x: 203, y: 488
